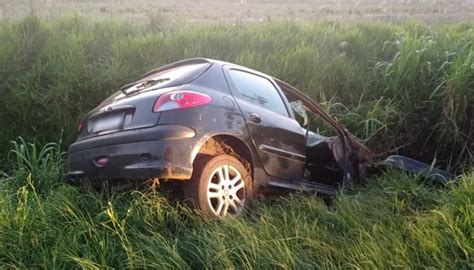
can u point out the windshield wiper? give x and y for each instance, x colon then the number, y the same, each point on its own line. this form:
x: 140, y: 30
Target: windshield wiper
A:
x: 142, y: 85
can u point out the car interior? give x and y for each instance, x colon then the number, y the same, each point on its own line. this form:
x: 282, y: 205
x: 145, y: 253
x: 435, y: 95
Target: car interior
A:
x: 321, y: 145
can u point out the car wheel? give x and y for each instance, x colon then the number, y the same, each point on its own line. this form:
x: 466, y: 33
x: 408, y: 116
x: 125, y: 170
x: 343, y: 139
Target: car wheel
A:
x: 220, y: 186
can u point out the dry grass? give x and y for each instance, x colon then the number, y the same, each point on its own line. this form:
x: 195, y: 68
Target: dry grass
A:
x: 242, y: 11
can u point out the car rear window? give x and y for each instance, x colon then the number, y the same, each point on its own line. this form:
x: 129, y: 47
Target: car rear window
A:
x: 170, y: 77
x: 178, y: 75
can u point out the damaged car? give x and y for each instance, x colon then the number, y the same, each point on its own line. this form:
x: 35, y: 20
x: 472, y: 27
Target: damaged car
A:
x: 224, y: 132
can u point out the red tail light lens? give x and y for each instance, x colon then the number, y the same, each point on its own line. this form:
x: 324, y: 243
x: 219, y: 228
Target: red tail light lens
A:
x: 181, y: 99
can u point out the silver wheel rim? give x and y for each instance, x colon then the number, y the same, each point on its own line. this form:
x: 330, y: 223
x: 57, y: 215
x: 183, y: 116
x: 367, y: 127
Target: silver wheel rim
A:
x: 226, y: 191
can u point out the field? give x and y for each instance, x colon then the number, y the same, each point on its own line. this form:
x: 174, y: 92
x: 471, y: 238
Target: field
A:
x: 244, y: 11
x: 404, y: 86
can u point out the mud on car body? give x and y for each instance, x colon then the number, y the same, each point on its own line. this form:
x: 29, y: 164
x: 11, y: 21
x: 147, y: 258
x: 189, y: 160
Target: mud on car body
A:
x: 224, y: 131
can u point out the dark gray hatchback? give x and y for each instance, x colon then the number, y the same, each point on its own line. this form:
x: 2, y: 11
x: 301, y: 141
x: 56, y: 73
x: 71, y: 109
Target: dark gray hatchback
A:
x: 224, y: 131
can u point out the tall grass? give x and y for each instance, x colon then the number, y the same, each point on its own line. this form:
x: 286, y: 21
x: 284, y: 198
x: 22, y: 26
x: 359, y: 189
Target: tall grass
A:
x: 395, y: 221
x: 32, y: 162
x: 392, y: 85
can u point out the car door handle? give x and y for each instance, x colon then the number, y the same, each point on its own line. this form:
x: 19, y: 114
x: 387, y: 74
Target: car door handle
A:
x: 255, y: 118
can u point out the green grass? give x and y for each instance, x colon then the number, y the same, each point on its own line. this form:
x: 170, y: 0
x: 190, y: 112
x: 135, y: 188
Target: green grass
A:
x: 393, y: 221
x: 391, y: 85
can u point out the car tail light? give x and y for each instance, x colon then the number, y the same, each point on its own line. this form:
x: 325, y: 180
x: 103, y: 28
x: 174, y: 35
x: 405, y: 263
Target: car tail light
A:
x: 180, y: 100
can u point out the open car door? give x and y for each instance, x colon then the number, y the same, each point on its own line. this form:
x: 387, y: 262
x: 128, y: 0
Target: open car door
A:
x: 351, y: 154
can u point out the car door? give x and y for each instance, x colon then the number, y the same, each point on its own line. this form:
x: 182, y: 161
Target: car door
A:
x: 277, y: 136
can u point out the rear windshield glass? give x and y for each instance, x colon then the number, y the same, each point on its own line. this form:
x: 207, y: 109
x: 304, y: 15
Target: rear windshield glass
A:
x: 175, y: 76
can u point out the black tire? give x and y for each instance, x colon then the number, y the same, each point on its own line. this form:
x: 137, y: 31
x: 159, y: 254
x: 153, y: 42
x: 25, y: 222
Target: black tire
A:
x: 208, y: 188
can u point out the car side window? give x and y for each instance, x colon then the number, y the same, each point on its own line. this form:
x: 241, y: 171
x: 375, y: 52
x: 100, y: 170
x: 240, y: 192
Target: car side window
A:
x: 258, y: 90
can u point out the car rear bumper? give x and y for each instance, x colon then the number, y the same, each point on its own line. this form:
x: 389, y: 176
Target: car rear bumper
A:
x: 162, y: 151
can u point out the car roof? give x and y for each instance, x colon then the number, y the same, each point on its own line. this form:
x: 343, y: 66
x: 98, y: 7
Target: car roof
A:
x: 199, y: 60
x: 236, y: 66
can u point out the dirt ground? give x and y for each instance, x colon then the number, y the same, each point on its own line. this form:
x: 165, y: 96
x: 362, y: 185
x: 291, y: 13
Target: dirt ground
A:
x: 235, y: 11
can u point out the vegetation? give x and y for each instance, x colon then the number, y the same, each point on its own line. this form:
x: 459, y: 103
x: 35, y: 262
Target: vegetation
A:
x: 392, y: 85
x: 395, y: 221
